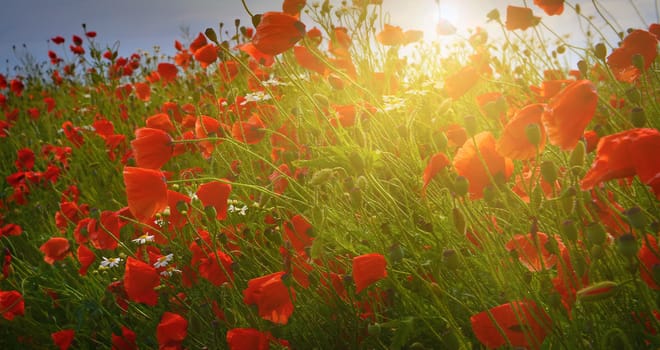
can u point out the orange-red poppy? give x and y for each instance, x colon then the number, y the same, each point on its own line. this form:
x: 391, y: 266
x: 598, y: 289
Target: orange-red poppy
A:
x: 125, y: 341
x: 551, y: 7
x: 167, y: 72
x: 293, y: 7
x: 308, y: 60
x: 520, y: 18
x: 160, y: 121
x: 532, y: 252
x: 55, y: 249
x: 171, y: 331
x: 86, y: 257
x: 638, y: 42
x: 648, y: 256
x: 206, y: 55
x: 142, y: 91
x: 215, y: 194
x: 140, y: 279
x: 469, y: 164
x: 436, y: 163
x: 197, y: 43
x: 152, y: 148
x: 523, y: 323
x: 11, y: 304
x: 63, y: 338
x: 390, y: 35
x: 277, y: 32
x: 299, y: 232
x: 251, y: 131
x: 146, y: 191
x: 514, y: 142
x: 368, y: 269
x: 569, y: 112
x: 272, y: 297
x: 457, y: 84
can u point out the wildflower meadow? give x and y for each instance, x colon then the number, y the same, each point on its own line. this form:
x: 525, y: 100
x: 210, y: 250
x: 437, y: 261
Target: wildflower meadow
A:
x: 315, y: 177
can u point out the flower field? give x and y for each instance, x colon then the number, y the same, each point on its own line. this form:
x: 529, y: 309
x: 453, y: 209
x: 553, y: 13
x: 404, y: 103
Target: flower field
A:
x: 321, y: 179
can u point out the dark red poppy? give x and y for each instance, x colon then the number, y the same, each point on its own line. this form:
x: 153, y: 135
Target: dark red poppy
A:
x: 551, y: 7
x: 55, y: 249
x: 140, y: 279
x: 514, y: 142
x: 215, y: 194
x: 520, y: 18
x: 86, y: 257
x: 251, y: 131
x: 167, y: 72
x: 63, y: 338
x: 638, y: 42
x: 248, y: 338
x: 523, y: 323
x: 152, y: 148
x: 368, y: 269
x: 11, y: 304
x: 569, y: 112
x: 57, y: 40
x: 146, y: 191
x: 171, y: 330
x: 272, y: 297
x: 650, y: 261
x: 277, y: 32
x: 469, y: 165
x: 214, y: 266
x: 125, y: 341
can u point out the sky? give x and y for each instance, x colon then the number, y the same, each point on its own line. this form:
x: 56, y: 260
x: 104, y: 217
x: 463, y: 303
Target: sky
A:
x: 143, y: 24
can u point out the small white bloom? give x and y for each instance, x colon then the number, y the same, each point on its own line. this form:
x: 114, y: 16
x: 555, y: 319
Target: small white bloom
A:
x: 164, y: 260
x: 109, y: 263
x: 144, y: 239
x: 235, y: 209
x: 256, y: 96
x: 169, y: 271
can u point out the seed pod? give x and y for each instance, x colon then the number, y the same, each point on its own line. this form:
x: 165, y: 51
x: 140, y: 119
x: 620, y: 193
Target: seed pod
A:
x: 533, y: 133
x: 459, y: 220
x: 627, y: 245
x: 597, y: 291
x: 461, y: 185
x: 450, y: 259
x: 576, y: 160
x: 600, y: 51
x: 549, y: 171
x: 638, y: 117
x: 638, y: 61
x: 210, y: 33
x: 320, y: 177
x: 569, y: 230
x: 596, y: 233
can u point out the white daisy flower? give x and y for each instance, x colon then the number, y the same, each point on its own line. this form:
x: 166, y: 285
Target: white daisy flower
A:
x: 164, y: 260
x: 144, y: 239
x: 109, y: 263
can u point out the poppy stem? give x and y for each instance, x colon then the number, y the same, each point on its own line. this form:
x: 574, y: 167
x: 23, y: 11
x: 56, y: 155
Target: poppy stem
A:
x: 246, y: 8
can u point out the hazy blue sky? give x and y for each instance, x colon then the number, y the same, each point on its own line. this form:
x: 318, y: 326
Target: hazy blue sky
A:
x: 142, y: 24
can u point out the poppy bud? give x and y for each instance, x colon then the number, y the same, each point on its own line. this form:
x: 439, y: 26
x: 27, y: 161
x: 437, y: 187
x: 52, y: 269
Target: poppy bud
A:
x: 533, y: 133
x: 493, y: 15
x: 636, y: 218
x: 597, y: 291
x: 637, y: 117
x: 396, y: 253
x: 561, y: 49
x: 578, y: 9
x: 210, y: 33
x: 256, y: 19
x: 549, y: 171
x: 450, y: 259
x: 470, y: 125
x: 582, y: 67
x: 356, y: 161
x: 576, y: 160
x: 373, y: 329
x: 210, y: 212
x: 322, y: 100
x: 459, y: 220
x: 461, y: 185
x: 596, y: 252
x: 634, y: 95
x: 638, y: 61
x: 596, y: 234
x: 569, y: 230
x: 627, y: 245
x: 567, y: 199
x: 600, y: 51
x: 321, y: 177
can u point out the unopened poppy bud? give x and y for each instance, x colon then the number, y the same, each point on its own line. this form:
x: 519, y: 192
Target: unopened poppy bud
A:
x: 533, y: 133
x: 627, y: 245
x: 638, y: 61
x: 461, y: 185
x: 450, y: 259
x: 576, y: 160
x: 256, y: 19
x: 637, y: 117
x: 459, y: 220
x: 561, y: 49
x: 210, y: 33
x: 578, y: 9
x: 396, y: 253
x: 634, y: 95
x: 322, y: 100
x: 596, y: 252
x: 549, y: 171
x: 567, y: 199
x: 470, y: 125
x: 569, y: 230
x: 582, y: 67
x: 321, y: 177
x: 356, y: 161
x: 597, y: 291
x: 210, y: 212
x: 596, y: 233
x: 373, y: 329
x: 493, y: 15
x: 636, y: 218
x: 600, y: 51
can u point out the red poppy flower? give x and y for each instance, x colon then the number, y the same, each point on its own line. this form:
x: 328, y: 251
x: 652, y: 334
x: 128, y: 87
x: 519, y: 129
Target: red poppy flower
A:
x: 569, y: 112
x: 368, y: 269
x: 140, y: 279
x: 272, y: 297
x: 298, y: 231
x: 469, y: 165
x: 513, y: 142
x: 16, y: 86
x: 55, y: 249
x: 57, y: 40
x: 260, y: 57
x: 142, y: 91
x: 248, y: 338
x: 280, y: 178
x: 207, y: 127
x: 551, y: 7
x: 457, y: 84
x: 308, y: 60
x: 146, y: 192
x: 523, y: 323
x: 340, y: 43
x: 520, y: 18
x: 390, y: 35
x: 206, y: 55
x: 277, y: 32
x: 167, y: 72
x: 160, y: 121
x: 125, y: 341
x: 198, y: 42
x: 648, y: 256
x: 293, y: 7
x: 25, y: 159
x: 171, y: 330
x: 152, y: 148
x: 86, y: 257
x: 437, y: 162
x: 63, y: 338
x: 215, y: 194
x: 251, y: 132
x: 11, y: 304
x: 638, y: 42
x: 215, y: 267
x: 532, y: 252
x: 177, y: 202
